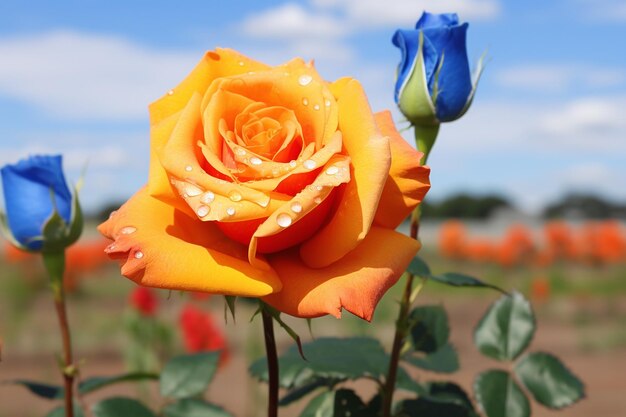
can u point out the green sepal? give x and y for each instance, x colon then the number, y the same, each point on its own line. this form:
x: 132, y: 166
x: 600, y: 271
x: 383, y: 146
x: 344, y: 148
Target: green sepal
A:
x: 414, y: 97
x: 291, y: 332
x: 480, y: 67
x: 229, y: 306
x: 56, y: 233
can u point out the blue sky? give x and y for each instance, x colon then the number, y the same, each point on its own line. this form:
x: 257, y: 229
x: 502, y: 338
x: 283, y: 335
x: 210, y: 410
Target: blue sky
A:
x: 549, y: 116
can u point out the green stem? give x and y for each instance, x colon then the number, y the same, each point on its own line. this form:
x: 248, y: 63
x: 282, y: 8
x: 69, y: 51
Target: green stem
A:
x: 272, y: 361
x: 55, y: 265
x: 425, y: 136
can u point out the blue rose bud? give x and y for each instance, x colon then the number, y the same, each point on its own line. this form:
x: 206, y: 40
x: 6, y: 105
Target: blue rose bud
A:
x: 434, y: 83
x: 41, y: 212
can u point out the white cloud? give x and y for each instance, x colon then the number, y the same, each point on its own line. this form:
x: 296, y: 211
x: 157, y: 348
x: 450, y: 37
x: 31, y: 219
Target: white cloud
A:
x: 604, y: 10
x: 291, y: 20
x: 82, y: 76
x: 559, y: 77
x: 391, y: 13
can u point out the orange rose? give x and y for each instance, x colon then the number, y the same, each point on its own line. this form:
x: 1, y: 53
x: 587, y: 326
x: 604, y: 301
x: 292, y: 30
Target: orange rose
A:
x: 270, y: 182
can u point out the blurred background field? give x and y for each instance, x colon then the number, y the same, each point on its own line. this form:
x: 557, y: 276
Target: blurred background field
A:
x: 573, y: 271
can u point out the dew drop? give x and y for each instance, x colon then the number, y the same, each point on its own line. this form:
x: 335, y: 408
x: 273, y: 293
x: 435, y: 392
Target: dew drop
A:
x: 230, y: 211
x: 318, y: 188
x: 305, y: 79
x: 327, y: 103
x: 113, y: 213
x: 296, y: 207
x: 333, y: 170
x: 283, y: 220
x: 188, y: 168
x: 109, y: 248
x: 264, y: 203
x: 316, y: 107
x: 255, y: 161
x: 170, y: 93
x: 317, y: 200
x: 192, y: 191
x: 208, y: 197
x: 310, y: 164
x: 293, y: 163
x: 128, y: 230
x: 203, y: 211
x: 138, y: 254
x: 241, y: 63
x: 305, y: 101
x: 240, y: 151
x: 234, y: 196
x: 275, y: 172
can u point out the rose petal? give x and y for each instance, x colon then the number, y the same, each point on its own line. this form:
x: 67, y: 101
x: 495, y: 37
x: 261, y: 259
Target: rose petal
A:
x: 161, y: 247
x: 356, y: 282
x: 408, y: 181
x: 371, y: 158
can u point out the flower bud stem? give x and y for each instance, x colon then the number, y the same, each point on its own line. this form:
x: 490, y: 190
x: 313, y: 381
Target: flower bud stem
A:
x: 55, y: 265
x: 272, y: 361
x: 425, y: 137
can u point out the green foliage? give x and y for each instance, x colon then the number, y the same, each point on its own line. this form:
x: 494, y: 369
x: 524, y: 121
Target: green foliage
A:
x: 444, y: 360
x: 419, y: 268
x: 498, y: 395
x: 340, y: 403
x: 429, y: 328
x: 191, y: 407
x: 461, y: 280
x: 186, y: 376
x: 440, y: 399
x: 548, y: 380
x: 506, y: 329
x: 97, y: 382
x: 463, y: 206
x: 40, y: 389
x: 121, y: 407
x: 587, y: 206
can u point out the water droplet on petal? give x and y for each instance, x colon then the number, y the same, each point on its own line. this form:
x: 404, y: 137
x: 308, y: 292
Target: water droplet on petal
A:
x: 113, y: 213
x: 318, y: 187
x: 230, y: 211
x: 332, y: 170
x: 327, y: 103
x: 275, y: 172
x: 188, y: 168
x: 316, y: 107
x: 264, y: 203
x: 234, y: 196
x: 128, y: 230
x: 240, y: 151
x: 241, y: 63
x: 296, y: 207
x: 109, y: 248
x: 305, y: 79
x: 138, y: 254
x: 317, y: 200
x: 207, y: 197
x: 203, y: 211
x: 283, y: 220
x: 305, y: 101
x: 192, y: 191
x: 170, y: 93
x: 310, y: 164
x: 293, y: 163
x: 255, y: 161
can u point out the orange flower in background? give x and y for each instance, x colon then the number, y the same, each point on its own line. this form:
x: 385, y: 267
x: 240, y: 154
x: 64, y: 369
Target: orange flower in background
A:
x: 480, y: 250
x: 560, y: 241
x: 200, y: 333
x: 517, y: 246
x: 612, y: 242
x: 270, y: 182
x: 452, y: 239
x: 540, y: 289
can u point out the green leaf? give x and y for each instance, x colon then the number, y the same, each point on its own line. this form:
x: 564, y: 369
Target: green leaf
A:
x: 230, y: 306
x: 121, y: 407
x: 439, y: 399
x: 429, y: 328
x: 60, y: 412
x: 506, y: 329
x: 332, y: 358
x: 340, y: 403
x: 188, y: 375
x: 461, y: 280
x: 445, y: 360
x: 297, y: 393
x: 498, y: 395
x: 97, y: 382
x: 418, y: 268
x: 48, y: 391
x: 549, y: 381
x: 190, y: 407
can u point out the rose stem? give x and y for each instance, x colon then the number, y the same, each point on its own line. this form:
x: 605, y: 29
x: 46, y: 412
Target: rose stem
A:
x: 55, y: 264
x: 272, y: 361
x: 402, y: 327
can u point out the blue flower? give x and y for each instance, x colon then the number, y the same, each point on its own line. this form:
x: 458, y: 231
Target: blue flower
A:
x: 37, y: 197
x: 434, y: 83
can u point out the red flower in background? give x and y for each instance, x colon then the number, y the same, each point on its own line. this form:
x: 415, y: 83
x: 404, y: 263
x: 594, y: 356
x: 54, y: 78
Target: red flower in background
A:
x: 144, y: 301
x: 200, y: 333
